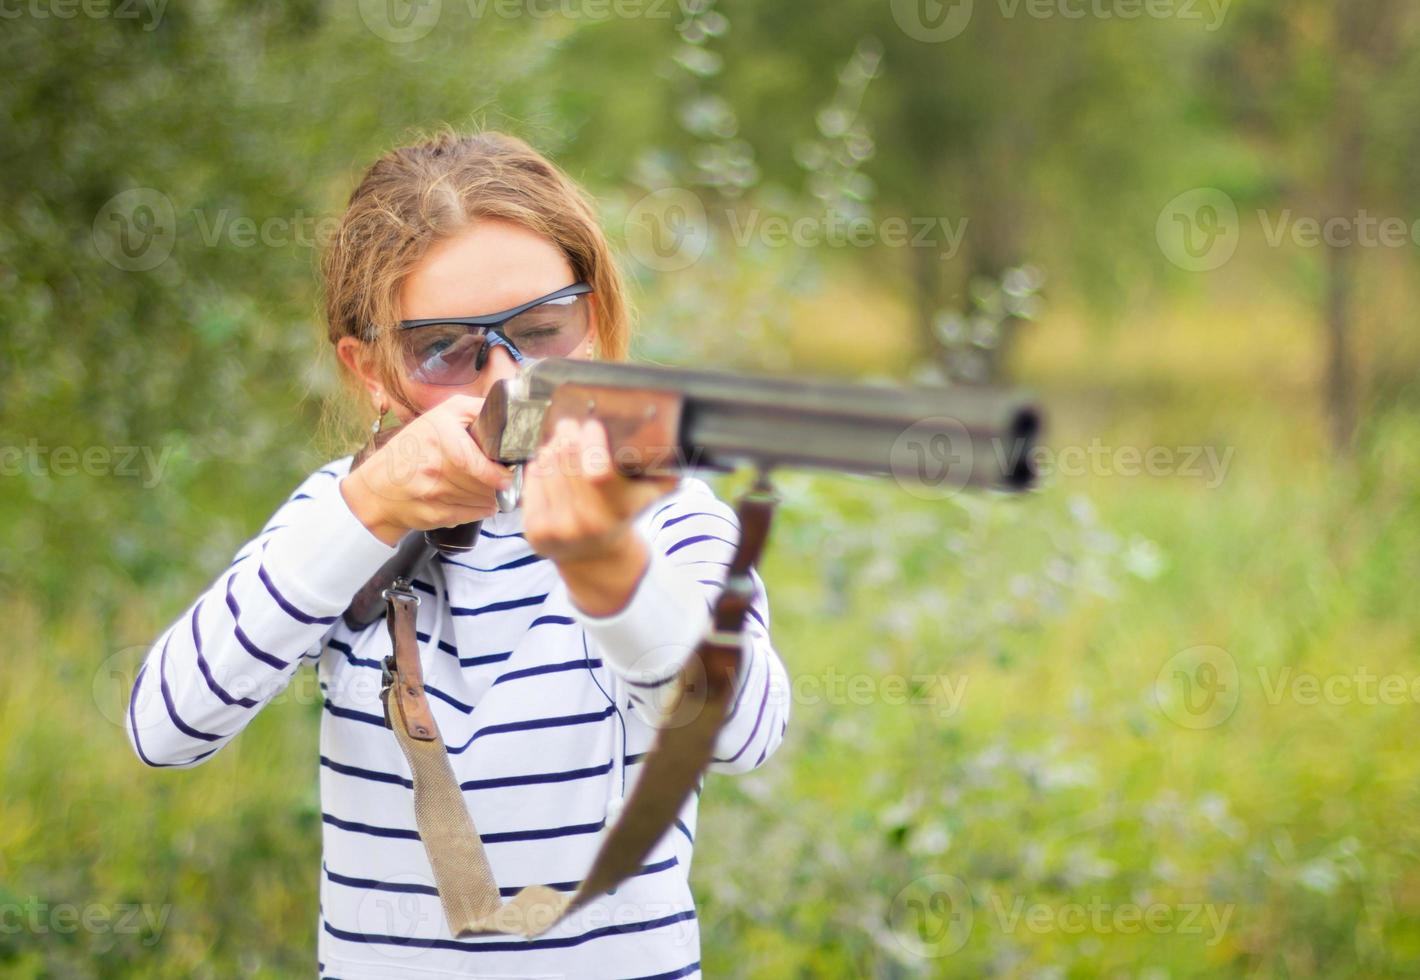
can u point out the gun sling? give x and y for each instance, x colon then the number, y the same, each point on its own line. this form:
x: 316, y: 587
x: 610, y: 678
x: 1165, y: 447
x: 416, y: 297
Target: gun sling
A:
x: 682, y: 751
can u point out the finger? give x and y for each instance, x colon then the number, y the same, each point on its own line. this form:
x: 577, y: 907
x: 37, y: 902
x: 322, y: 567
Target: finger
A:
x: 568, y: 498
x: 535, y: 501
x: 595, y: 451
x: 454, y: 497
x: 462, y: 409
x: 471, y: 467
x: 457, y: 413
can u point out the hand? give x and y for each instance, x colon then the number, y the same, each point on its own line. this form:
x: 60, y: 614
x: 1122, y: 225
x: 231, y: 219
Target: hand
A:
x: 431, y: 474
x: 578, y: 511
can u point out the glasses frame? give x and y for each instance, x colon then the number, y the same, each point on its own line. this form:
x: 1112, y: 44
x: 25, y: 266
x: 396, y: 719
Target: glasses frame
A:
x: 492, y: 324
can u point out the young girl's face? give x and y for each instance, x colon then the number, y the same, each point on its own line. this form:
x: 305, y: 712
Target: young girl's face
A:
x: 494, y: 266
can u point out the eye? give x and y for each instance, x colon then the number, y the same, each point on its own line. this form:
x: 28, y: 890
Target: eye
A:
x: 442, y: 345
x: 435, y: 347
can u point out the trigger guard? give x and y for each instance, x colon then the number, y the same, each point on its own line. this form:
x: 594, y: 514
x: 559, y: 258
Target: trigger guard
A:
x: 508, y: 499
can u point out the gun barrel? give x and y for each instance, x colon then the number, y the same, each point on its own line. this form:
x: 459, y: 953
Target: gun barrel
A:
x: 958, y: 437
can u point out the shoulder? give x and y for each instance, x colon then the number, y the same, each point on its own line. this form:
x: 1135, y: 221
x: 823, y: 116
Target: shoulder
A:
x: 321, y: 480
x: 314, y: 490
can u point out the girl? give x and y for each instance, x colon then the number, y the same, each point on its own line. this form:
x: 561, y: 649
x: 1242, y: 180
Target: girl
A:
x: 540, y: 648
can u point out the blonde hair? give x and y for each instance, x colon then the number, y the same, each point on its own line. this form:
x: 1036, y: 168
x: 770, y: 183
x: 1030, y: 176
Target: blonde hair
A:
x: 417, y: 196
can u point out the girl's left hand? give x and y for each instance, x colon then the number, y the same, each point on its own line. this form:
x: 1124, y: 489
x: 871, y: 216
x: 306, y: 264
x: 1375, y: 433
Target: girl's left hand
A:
x: 578, y: 511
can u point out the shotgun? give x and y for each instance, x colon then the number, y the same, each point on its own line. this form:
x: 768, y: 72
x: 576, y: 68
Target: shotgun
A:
x: 662, y: 420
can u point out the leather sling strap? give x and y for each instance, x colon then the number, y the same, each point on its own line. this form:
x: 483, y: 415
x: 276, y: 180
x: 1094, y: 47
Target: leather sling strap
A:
x: 684, y: 748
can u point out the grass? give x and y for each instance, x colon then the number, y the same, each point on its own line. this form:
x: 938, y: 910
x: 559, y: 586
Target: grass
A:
x: 1021, y: 826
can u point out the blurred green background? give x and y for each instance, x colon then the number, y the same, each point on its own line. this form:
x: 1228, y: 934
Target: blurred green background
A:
x: 1156, y: 720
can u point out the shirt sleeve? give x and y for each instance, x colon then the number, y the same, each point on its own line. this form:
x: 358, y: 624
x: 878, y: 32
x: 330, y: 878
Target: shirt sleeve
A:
x: 239, y: 644
x: 691, y: 539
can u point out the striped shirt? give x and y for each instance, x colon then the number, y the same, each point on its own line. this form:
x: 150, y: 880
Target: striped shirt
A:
x: 546, y: 713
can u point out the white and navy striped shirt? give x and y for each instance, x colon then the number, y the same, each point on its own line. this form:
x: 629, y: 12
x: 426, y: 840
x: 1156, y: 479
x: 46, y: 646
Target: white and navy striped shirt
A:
x: 546, y: 713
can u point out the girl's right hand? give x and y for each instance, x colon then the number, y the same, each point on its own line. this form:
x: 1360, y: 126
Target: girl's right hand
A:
x: 430, y: 474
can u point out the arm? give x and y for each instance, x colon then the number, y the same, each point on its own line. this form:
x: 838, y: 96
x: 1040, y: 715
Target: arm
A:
x: 689, y: 539
x: 241, y: 642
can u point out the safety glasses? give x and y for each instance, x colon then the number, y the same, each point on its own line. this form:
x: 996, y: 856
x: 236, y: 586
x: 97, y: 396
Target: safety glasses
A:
x: 452, y: 350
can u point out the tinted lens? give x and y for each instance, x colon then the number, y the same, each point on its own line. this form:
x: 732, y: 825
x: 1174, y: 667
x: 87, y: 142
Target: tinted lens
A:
x: 443, y: 354
x: 553, y: 329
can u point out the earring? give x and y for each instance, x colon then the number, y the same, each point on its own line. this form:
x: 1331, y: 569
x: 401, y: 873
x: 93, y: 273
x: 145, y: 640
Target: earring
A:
x: 380, y: 410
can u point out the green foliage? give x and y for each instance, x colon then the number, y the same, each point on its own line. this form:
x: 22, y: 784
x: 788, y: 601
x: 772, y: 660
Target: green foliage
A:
x: 1010, y: 729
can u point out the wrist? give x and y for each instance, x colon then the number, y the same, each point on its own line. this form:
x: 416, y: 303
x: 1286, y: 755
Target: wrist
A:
x: 368, y: 508
x: 601, y: 584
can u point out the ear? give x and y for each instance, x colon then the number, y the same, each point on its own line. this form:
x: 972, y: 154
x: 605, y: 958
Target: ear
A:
x: 356, y: 356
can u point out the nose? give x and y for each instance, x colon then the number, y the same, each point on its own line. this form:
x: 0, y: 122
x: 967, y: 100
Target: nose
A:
x: 500, y: 365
